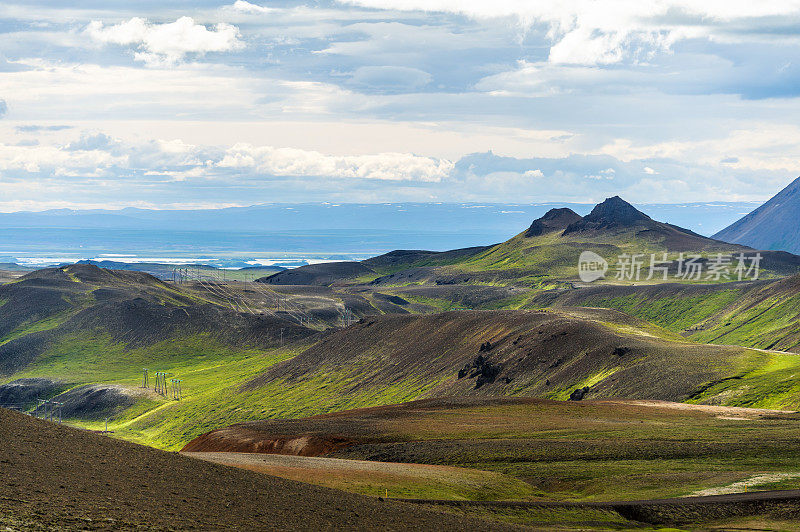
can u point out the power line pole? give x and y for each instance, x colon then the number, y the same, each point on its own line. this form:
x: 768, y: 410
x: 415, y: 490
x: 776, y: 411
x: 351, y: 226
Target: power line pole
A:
x: 58, y: 405
x: 176, y: 389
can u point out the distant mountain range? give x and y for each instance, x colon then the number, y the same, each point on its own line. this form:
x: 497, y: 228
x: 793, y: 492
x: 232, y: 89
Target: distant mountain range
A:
x: 774, y: 225
x: 547, y: 251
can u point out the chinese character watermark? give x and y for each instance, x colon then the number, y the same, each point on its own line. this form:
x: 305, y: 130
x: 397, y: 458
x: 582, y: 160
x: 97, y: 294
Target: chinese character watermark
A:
x: 663, y: 266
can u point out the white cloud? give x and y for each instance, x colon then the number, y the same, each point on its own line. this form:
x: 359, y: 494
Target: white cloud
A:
x: 95, y: 154
x: 296, y: 162
x: 91, y: 167
x: 759, y: 147
x: 604, y: 32
x: 89, y: 91
x: 167, y: 43
x: 247, y: 7
x: 54, y: 161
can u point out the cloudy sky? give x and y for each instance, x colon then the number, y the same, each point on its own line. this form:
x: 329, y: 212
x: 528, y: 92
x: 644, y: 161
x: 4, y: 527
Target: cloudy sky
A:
x: 213, y: 103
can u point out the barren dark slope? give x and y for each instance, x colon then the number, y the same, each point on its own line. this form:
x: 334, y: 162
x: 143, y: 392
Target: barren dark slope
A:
x: 553, y: 220
x: 404, y: 258
x: 54, y: 477
x: 318, y: 274
x: 495, y: 353
x: 615, y: 216
x: 343, y: 272
x: 135, y: 309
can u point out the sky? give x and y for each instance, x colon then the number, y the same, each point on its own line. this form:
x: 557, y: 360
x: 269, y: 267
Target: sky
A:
x: 205, y: 104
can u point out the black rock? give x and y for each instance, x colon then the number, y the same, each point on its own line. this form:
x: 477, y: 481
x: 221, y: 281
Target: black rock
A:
x: 578, y: 394
x: 622, y: 351
x: 554, y: 220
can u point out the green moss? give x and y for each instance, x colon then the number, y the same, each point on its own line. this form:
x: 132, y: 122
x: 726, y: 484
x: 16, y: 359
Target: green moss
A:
x: 772, y: 384
x: 564, y: 393
x: 436, y: 303
x: 51, y: 322
x: 175, y: 424
x: 554, y: 518
x: 673, y: 313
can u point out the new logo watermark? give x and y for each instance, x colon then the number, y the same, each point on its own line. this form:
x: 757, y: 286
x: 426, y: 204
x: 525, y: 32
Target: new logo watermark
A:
x: 666, y: 266
x: 591, y: 267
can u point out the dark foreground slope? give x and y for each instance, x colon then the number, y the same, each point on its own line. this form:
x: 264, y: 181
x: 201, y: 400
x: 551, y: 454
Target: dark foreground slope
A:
x: 771, y: 226
x: 55, y: 477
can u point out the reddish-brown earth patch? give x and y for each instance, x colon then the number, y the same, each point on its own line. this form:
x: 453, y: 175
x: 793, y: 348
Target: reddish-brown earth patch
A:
x: 243, y: 439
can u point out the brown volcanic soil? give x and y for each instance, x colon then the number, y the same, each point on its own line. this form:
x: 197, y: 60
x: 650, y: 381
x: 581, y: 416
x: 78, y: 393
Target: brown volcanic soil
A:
x: 55, y: 477
x: 603, y: 452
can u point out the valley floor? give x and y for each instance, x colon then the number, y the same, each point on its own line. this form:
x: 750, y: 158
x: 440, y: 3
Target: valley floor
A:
x: 586, y: 451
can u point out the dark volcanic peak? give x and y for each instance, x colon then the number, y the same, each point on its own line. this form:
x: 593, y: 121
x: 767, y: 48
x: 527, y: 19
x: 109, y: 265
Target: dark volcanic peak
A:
x: 613, y: 212
x: 616, y: 210
x: 553, y: 220
x: 772, y: 226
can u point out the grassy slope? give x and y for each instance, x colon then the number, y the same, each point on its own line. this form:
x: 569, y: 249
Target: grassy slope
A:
x: 764, y: 315
x: 210, y: 370
x: 553, y: 256
x: 216, y: 399
x: 547, y: 255
x: 104, y: 327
